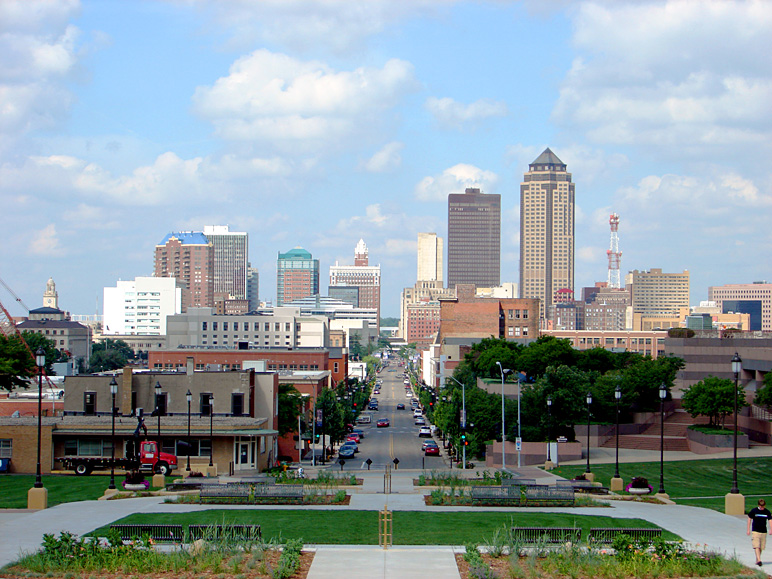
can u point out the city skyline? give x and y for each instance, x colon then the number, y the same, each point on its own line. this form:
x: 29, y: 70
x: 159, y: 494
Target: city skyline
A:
x: 316, y: 124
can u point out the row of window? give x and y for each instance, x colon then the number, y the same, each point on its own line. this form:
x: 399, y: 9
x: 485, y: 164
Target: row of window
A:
x: 245, y: 326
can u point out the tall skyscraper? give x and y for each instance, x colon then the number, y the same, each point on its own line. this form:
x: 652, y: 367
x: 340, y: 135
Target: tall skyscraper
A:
x: 474, y: 238
x: 231, y: 250
x: 297, y: 276
x: 546, y: 230
x: 140, y: 306
x: 750, y: 298
x: 253, y: 288
x: 189, y: 257
x: 363, y: 276
x: 429, y: 257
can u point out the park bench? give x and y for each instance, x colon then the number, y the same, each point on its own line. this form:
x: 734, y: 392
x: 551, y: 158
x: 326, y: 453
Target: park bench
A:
x: 516, y: 482
x: 607, y: 535
x: 523, y: 495
x: 236, y: 532
x: 253, y: 491
x: 583, y: 486
x: 190, y: 484
x: 159, y: 533
x: 550, y: 535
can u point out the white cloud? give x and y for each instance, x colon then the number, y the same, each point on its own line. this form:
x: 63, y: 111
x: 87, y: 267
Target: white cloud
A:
x: 393, y: 247
x: 340, y: 25
x: 667, y: 74
x: 387, y: 159
x: 87, y: 216
x: 39, y: 54
x: 45, y: 243
x: 300, y: 105
x: 454, y: 180
x: 453, y: 114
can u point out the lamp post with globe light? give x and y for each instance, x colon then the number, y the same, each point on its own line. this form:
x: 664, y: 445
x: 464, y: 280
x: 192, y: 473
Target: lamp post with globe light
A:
x: 37, y: 496
x: 616, y: 481
x: 734, y: 502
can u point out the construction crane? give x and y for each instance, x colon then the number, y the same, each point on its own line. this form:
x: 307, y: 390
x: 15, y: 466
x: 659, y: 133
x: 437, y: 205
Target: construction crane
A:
x: 9, y: 329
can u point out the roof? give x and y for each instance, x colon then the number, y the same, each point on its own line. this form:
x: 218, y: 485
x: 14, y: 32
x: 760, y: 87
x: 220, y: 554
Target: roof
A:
x: 46, y: 310
x: 186, y: 238
x: 548, y: 158
x: 296, y: 253
x: 29, y: 324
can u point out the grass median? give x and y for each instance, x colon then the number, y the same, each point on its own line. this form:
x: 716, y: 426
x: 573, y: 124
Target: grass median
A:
x: 62, y: 488
x: 361, y: 527
x: 698, y: 483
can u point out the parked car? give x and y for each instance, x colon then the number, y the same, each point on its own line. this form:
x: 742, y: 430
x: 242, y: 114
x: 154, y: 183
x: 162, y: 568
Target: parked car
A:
x: 358, y: 431
x: 430, y: 442
x: 353, y: 437
x: 417, y: 413
x: 400, y: 406
x: 432, y: 450
x: 409, y: 394
x: 424, y: 431
x: 420, y: 421
x: 382, y: 423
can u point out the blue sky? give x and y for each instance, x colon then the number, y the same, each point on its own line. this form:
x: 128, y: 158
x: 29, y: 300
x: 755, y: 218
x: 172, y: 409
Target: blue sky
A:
x: 314, y: 123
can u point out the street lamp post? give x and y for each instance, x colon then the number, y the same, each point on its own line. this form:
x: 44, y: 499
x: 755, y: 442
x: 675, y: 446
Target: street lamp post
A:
x: 189, y: 398
x: 463, y: 420
x: 37, y: 496
x: 589, y: 401
x: 503, y: 429
x: 662, y: 396
x: 616, y: 481
x: 737, y: 365
x: 113, y: 392
x: 40, y: 361
x: 158, y: 408
x: 549, y: 433
x: 734, y: 502
x: 211, y: 422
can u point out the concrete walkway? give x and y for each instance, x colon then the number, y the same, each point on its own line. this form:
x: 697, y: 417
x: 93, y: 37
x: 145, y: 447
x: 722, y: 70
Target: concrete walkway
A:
x: 22, y: 531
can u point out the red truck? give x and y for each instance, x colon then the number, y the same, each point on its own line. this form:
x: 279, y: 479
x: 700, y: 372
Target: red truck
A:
x: 150, y: 459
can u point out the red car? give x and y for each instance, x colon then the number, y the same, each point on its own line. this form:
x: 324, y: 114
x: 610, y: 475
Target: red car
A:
x: 353, y: 437
x: 382, y: 422
x: 432, y: 449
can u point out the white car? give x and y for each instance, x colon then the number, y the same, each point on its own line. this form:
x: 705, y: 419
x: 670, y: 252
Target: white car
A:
x: 420, y: 421
x: 424, y: 431
x: 416, y: 413
x: 408, y: 394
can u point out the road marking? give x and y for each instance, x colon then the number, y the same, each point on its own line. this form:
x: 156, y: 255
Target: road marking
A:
x: 391, y: 445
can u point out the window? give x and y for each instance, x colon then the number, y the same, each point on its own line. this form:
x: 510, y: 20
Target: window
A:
x: 235, y: 326
x: 89, y: 402
x: 214, y: 326
x: 335, y: 367
x: 205, y: 403
x: 203, y: 326
x: 237, y: 404
x: 6, y: 447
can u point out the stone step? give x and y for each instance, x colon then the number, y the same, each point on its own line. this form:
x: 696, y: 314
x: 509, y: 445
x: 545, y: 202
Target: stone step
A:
x: 648, y: 442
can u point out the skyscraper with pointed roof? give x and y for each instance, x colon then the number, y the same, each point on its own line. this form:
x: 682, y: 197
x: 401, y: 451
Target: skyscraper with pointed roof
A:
x: 360, y: 279
x: 547, y: 226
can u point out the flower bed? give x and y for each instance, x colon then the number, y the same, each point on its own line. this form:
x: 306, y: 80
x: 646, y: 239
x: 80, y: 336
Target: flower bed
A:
x: 68, y: 556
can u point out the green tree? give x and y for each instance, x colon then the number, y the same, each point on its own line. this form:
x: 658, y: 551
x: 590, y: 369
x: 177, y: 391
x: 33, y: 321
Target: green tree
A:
x: 17, y: 366
x: 713, y: 397
x: 334, y: 426
x: 389, y: 322
x: 290, y: 405
x: 106, y: 360
x: 355, y: 349
x: 373, y: 364
x: 110, y: 345
x: 545, y: 352
x: 484, y: 356
x: 764, y: 394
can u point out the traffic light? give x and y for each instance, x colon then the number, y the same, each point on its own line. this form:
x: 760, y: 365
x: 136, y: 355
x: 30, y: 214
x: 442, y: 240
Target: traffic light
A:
x: 464, y: 441
x: 355, y: 404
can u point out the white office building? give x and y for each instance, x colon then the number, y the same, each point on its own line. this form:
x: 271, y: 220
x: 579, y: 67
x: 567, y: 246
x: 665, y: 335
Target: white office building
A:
x: 140, y: 306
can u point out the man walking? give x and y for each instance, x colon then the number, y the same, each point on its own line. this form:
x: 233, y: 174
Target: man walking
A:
x: 757, y: 528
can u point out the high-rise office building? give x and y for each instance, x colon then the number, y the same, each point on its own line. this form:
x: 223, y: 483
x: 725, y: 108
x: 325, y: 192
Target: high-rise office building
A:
x: 429, y: 257
x: 751, y: 298
x: 363, y: 276
x: 140, y: 306
x: 230, y: 261
x: 297, y: 276
x: 253, y: 288
x: 474, y: 238
x: 189, y: 257
x: 546, y: 230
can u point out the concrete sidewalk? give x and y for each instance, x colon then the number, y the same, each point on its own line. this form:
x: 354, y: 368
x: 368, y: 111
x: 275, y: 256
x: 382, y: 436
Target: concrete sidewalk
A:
x: 22, y: 530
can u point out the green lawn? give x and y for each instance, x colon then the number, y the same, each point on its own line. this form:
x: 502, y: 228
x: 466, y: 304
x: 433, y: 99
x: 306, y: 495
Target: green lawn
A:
x: 691, y: 482
x: 361, y: 527
x: 62, y: 488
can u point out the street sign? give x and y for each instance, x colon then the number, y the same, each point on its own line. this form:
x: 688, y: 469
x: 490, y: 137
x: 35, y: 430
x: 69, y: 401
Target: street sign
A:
x: 518, y: 444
